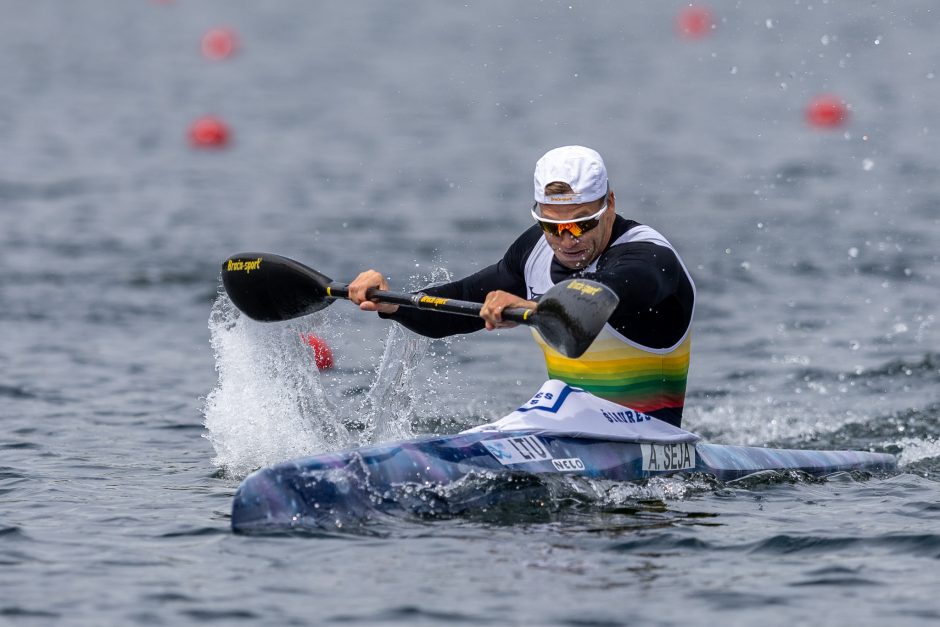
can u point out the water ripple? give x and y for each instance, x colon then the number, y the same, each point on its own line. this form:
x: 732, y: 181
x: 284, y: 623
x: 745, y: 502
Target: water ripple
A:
x: 219, y: 615
x: 409, y: 615
x: 919, y: 545
x: 14, y: 611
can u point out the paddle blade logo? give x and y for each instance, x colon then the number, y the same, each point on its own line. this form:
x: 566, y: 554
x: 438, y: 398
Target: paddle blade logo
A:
x: 584, y: 288
x: 243, y: 265
x: 572, y: 313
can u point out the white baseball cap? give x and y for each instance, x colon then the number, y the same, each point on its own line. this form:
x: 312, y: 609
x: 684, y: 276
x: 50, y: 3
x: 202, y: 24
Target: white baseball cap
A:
x: 580, y: 167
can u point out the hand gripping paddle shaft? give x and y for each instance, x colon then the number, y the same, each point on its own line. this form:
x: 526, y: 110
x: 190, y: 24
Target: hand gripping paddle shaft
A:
x: 270, y: 288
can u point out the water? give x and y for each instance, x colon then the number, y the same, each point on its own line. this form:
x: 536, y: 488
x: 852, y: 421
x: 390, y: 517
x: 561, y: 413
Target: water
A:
x: 402, y: 136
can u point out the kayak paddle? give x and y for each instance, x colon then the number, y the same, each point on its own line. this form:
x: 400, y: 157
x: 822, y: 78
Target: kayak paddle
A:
x: 271, y: 288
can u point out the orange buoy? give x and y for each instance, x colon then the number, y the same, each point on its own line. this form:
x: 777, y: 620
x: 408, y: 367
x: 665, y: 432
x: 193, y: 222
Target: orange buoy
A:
x: 694, y: 22
x: 219, y: 43
x: 209, y: 132
x: 322, y: 354
x: 826, y: 112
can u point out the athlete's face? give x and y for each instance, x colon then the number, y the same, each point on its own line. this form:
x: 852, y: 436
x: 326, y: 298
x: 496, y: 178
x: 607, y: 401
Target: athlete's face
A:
x: 578, y: 252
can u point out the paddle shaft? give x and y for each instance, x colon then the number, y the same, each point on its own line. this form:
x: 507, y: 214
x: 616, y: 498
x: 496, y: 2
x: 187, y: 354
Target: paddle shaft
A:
x: 423, y: 301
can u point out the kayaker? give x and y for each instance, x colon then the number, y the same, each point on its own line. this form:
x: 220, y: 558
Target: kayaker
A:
x: 641, y: 358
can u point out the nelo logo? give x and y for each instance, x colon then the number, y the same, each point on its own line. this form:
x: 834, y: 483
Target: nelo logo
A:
x: 571, y: 464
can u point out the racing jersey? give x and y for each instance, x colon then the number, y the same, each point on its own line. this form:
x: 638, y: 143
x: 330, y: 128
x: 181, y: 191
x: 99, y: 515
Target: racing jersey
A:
x: 641, y: 357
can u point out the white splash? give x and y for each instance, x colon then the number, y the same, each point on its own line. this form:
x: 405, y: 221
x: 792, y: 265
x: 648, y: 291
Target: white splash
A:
x: 268, y: 405
x: 744, y: 424
x: 271, y: 404
x: 916, y: 449
x: 389, y: 405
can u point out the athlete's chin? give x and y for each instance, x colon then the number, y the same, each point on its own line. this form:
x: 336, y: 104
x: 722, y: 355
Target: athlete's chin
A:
x: 573, y: 261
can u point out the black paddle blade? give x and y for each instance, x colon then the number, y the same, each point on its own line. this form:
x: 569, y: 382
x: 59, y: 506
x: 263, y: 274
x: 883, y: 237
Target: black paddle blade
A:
x: 571, y: 314
x: 269, y: 288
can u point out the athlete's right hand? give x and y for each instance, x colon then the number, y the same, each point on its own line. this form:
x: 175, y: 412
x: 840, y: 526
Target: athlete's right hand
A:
x: 498, y: 300
x: 370, y: 279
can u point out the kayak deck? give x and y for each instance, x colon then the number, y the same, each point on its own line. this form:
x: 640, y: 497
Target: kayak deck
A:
x: 336, y: 489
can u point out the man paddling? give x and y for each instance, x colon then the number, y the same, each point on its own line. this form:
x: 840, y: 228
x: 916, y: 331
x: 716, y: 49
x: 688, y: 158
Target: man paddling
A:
x: 641, y: 357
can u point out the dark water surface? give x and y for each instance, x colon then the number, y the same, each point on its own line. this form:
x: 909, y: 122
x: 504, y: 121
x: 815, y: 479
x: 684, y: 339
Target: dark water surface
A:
x: 402, y: 136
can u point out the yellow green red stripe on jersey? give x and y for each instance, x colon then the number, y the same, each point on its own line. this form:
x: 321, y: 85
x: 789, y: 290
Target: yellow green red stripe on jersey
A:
x: 643, y: 379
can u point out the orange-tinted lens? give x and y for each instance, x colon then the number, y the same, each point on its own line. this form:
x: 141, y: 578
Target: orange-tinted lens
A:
x: 576, y: 228
x: 572, y: 227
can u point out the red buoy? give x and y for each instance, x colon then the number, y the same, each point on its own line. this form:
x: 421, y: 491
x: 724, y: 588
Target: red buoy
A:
x: 827, y: 112
x: 219, y: 43
x: 321, y: 351
x: 694, y: 22
x: 209, y: 132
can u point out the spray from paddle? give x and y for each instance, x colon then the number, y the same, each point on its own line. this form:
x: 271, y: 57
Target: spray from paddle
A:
x: 269, y: 403
x: 272, y: 403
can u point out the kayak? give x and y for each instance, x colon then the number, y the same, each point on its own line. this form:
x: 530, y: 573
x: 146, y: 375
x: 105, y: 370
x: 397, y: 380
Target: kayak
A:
x: 561, y: 430
x: 345, y: 489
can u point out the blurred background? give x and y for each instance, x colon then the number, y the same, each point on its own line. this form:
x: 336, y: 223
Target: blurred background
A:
x: 787, y: 149
x: 403, y: 137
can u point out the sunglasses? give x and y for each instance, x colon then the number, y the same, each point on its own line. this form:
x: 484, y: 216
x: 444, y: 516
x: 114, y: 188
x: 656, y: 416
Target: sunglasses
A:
x: 576, y: 227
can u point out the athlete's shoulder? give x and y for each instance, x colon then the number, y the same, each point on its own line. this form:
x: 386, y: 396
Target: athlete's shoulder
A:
x: 514, y: 260
x: 631, y: 233
x: 634, y: 243
x: 622, y: 226
x: 519, y: 250
x: 529, y: 238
